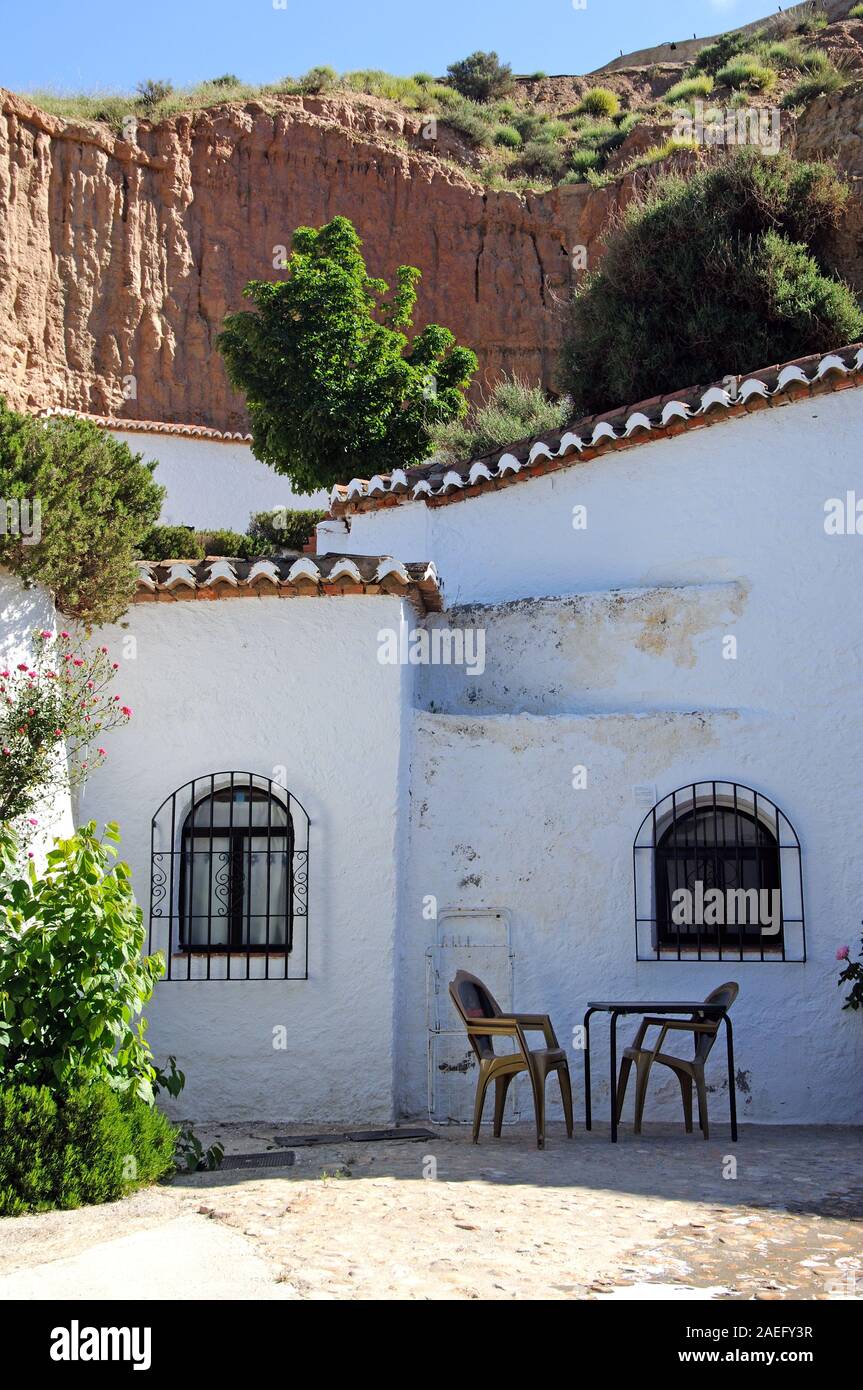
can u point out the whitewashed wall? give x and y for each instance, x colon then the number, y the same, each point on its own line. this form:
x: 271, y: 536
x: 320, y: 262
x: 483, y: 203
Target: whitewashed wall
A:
x: 24, y: 611
x: 714, y: 533
x: 251, y: 684
x: 214, y: 485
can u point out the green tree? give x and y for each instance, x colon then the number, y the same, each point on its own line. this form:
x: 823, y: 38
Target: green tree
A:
x: 94, y: 500
x: 481, y: 76
x: 333, y: 385
x: 709, y: 275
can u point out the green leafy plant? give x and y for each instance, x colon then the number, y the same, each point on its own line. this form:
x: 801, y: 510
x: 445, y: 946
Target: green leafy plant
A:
x: 746, y: 71
x: 332, y: 383
x: 508, y: 136
x: 83, y: 1145
x: 73, y: 981
x: 701, y: 85
x: 153, y: 92
x: 283, y: 529
x: 856, y: 12
x: 708, y: 275
x: 171, y: 543
x: 53, y: 713
x: 852, y: 974
x: 190, y: 1153
x: 543, y: 159
x: 818, y: 85
x: 718, y: 54
x: 481, y: 76
x: 512, y: 411
x: 318, y: 80
x: 599, y: 101
x: 96, y: 502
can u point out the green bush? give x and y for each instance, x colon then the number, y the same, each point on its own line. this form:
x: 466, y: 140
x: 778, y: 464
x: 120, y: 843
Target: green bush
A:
x: 481, y: 76
x: 283, y: 529
x: 86, y: 1145
x: 718, y: 54
x: 813, y: 23
x: 231, y: 544
x: 599, y: 101
x: 543, y: 160
x: 701, y: 85
x: 318, y: 80
x: 470, y: 120
x: 708, y: 275
x: 171, y: 543
x: 513, y: 411
x: 73, y: 981
x: 808, y: 88
x: 746, y: 71
x: 579, y: 163
x: 98, y: 501
x: 856, y: 12
x: 152, y: 93
x: 508, y: 136
x: 333, y: 385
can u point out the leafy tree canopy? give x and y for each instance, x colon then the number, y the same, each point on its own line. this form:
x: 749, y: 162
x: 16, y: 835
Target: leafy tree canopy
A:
x: 715, y: 274
x: 333, y: 386
x: 481, y: 76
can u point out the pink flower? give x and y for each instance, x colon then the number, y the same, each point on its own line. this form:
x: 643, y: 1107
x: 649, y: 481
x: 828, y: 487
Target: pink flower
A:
x: 101, y: 752
x: 843, y: 952
x: 125, y: 710
x: 115, y: 665
x: 65, y: 635
x: 7, y: 752
x: 47, y: 635
x: 31, y: 821
x: 22, y: 665
x: 58, y: 733
x: 4, y: 674
x: 104, y: 650
x: 76, y: 661
x: 29, y: 854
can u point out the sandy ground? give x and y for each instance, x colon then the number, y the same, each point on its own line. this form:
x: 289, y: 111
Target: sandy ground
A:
x: 665, y: 1215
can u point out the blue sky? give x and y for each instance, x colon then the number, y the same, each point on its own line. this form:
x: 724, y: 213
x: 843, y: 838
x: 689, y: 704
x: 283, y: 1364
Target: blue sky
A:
x: 99, y: 45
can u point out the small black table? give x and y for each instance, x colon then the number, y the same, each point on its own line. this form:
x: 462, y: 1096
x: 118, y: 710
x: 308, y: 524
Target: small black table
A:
x: 616, y: 1007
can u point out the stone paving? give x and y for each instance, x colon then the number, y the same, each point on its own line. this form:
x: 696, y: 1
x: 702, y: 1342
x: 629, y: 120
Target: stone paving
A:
x: 665, y: 1215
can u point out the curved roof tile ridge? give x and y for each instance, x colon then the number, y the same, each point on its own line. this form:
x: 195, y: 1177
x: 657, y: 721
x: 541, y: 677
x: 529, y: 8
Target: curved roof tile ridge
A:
x: 439, y: 483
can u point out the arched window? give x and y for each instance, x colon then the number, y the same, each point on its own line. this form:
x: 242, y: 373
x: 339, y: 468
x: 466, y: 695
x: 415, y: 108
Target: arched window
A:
x: 718, y: 877
x: 229, y: 879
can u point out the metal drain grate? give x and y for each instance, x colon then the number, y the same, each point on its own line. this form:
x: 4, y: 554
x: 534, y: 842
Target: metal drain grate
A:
x: 357, y: 1136
x: 280, y: 1159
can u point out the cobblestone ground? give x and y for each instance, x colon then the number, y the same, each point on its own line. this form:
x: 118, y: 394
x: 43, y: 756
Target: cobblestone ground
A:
x: 777, y: 1216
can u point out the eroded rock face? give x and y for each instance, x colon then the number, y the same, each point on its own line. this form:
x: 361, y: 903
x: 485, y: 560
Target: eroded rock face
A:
x: 120, y: 261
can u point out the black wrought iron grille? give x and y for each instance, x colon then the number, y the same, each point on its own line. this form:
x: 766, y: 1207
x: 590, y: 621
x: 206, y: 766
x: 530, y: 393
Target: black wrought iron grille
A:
x: 718, y: 876
x: 229, y: 857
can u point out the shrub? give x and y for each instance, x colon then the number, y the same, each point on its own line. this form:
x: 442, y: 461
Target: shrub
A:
x: 469, y: 119
x: 73, y: 981
x: 579, y: 163
x: 88, y: 1144
x: 53, y: 714
x: 656, y: 153
x: 318, y: 80
x: 332, y: 383
x: 543, y: 160
x: 716, y: 55
x: 227, y: 79
x: 599, y: 101
x: 423, y: 79
x: 852, y: 973
x: 701, y: 85
x: 233, y: 544
x: 283, y: 529
x: 171, y: 543
x: 508, y: 136
x: 812, y: 23
x: 153, y: 92
x: 808, y: 88
x: 856, y: 12
x: 481, y: 76
x: 530, y: 125
x: 746, y: 71
x: 514, y: 410
x: 713, y: 274
x: 97, y: 502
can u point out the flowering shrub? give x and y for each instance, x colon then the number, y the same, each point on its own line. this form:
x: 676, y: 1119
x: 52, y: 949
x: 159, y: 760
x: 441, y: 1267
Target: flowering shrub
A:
x: 52, y: 716
x: 73, y: 980
x: 854, y: 972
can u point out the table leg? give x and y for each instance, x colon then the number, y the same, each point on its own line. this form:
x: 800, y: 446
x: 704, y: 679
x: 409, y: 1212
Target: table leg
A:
x: 587, y: 1115
x: 613, y: 1052
x: 732, y: 1091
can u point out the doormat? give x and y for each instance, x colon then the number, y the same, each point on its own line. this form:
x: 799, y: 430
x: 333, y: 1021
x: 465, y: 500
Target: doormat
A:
x: 265, y: 1160
x: 356, y: 1136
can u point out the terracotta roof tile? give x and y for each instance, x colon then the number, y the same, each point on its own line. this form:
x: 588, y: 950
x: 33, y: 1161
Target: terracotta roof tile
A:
x: 438, y: 484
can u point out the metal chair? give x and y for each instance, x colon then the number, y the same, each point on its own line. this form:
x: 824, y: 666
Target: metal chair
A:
x: 686, y: 1071
x: 484, y: 1021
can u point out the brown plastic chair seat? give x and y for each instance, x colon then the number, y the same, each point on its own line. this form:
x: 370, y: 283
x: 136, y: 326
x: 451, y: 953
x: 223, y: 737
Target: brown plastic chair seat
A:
x: 484, y: 1021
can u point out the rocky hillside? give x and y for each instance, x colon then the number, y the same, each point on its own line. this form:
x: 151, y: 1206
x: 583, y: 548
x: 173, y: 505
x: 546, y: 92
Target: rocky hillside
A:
x: 120, y: 257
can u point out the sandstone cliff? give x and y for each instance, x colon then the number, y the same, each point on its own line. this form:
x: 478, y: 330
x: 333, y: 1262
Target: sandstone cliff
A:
x: 119, y: 260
